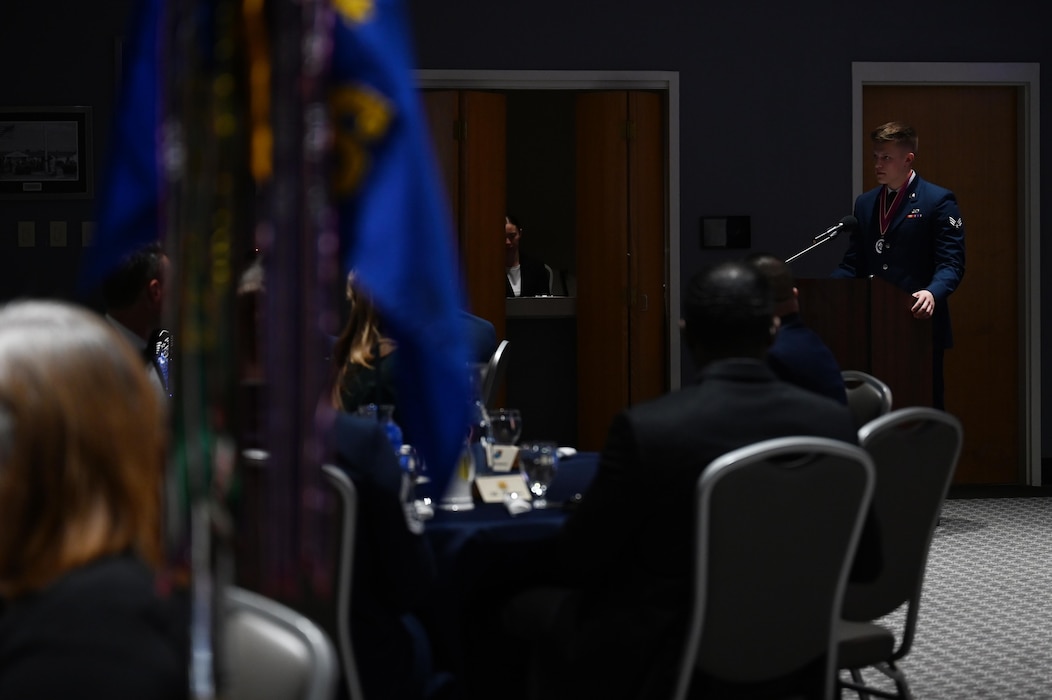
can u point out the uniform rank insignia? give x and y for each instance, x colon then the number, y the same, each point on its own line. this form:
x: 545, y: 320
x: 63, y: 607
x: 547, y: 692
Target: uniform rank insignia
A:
x: 957, y: 223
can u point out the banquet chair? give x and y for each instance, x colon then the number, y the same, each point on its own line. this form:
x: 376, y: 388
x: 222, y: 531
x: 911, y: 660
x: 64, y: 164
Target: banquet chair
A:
x: 274, y: 652
x: 915, y: 452
x: 494, y: 374
x: 867, y: 396
x: 348, y: 523
x: 777, y: 524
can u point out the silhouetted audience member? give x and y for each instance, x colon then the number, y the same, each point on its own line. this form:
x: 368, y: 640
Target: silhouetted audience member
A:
x: 84, y: 612
x: 393, y: 567
x: 364, y: 356
x: 627, y: 550
x: 133, y: 295
x: 797, y: 355
x: 482, y: 337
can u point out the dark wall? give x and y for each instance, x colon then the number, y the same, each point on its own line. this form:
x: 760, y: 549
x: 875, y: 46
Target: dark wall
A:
x: 765, y: 97
x: 765, y: 92
x: 55, y: 54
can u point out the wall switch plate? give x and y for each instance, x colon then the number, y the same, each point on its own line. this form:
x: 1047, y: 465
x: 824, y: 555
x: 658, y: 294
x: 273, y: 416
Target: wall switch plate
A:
x: 57, y: 234
x: 27, y: 234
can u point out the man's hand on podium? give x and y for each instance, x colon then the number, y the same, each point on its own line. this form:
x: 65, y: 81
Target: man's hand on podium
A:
x: 925, y: 304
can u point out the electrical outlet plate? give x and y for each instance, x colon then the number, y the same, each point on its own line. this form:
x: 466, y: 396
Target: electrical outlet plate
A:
x: 27, y: 234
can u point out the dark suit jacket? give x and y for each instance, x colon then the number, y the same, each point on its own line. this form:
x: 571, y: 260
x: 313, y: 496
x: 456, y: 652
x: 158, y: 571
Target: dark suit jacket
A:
x: 923, y: 248
x: 628, y: 546
x: 101, y: 631
x: 799, y: 356
x: 534, y: 279
x: 482, y: 337
x: 393, y: 567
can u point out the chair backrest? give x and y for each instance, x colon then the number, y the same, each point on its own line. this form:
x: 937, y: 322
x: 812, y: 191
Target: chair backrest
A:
x: 494, y: 373
x: 777, y: 527
x: 867, y: 396
x: 551, y: 277
x: 914, y: 452
x: 274, y: 652
x: 348, y: 524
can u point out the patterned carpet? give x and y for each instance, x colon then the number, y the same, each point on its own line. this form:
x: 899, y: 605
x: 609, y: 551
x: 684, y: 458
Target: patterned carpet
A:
x: 985, y: 625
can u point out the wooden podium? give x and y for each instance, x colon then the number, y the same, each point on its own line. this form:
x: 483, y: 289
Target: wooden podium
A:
x: 867, y: 324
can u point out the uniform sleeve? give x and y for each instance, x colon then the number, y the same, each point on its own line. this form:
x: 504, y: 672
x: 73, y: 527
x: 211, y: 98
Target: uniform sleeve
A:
x: 948, y: 248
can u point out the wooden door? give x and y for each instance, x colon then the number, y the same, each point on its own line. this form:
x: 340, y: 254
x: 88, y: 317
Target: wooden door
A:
x: 648, y: 254
x: 469, y: 132
x: 443, y: 118
x: 483, y: 202
x: 621, y: 258
x: 969, y: 142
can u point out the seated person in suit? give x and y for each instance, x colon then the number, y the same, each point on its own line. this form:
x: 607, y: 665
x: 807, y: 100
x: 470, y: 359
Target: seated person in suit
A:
x: 482, y: 337
x: 82, y: 609
x: 524, y: 277
x: 797, y: 355
x: 133, y: 296
x: 393, y: 567
x: 627, y: 550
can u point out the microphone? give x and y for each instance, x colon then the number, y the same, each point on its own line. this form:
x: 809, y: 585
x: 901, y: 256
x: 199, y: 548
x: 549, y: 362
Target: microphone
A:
x: 848, y: 223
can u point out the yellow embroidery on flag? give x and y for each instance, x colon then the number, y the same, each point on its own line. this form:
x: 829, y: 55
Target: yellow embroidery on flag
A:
x: 360, y: 117
x: 357, y: 11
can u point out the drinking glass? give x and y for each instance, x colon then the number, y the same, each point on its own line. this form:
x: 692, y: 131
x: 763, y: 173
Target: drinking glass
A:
x: 507, y: 425
x: 539, y: 462
x: 413, y: 467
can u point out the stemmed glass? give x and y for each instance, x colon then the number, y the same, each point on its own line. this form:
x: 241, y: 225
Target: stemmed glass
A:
x: 539, y: 461
x: 507, y: 425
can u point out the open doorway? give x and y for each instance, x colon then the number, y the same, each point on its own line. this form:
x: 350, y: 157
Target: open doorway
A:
x: 538, y: 148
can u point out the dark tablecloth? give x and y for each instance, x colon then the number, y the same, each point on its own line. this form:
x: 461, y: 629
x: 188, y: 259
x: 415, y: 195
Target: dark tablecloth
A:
x: 484, y: 556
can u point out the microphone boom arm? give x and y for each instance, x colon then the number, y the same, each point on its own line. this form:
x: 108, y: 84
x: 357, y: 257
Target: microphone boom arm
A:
x: 819, y: 240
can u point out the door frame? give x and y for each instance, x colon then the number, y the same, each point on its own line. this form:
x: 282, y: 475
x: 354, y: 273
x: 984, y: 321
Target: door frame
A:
x: 1027, y: 77
x: 661, y: 81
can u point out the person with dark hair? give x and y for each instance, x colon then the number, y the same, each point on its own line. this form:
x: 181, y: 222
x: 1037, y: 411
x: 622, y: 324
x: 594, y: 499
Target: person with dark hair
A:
x: 797, y: 355
x: 84, y: 610
x: 525, y: 277
x: 910, y: 232
x: 133, y: 295
x: 627, y: 549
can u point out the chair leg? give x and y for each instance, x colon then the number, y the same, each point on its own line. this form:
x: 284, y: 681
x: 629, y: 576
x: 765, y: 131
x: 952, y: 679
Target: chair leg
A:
x: 856, y: 676
x: 895, y: 673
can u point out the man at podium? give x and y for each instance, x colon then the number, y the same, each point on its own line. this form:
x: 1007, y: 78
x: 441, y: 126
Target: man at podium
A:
x: 910, y: 232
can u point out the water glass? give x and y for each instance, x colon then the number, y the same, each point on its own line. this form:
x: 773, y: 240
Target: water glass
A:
x: 539, y: 461
x: 506, y: 425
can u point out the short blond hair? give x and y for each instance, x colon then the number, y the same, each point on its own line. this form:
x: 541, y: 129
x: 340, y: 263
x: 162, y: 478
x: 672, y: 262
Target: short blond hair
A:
x: 896, y: 132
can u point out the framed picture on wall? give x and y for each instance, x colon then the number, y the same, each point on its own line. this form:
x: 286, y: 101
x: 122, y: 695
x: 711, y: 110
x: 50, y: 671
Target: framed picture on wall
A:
x: 45, y: 153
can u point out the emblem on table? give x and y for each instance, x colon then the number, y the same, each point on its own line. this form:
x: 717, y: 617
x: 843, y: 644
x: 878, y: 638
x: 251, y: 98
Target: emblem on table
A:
x: 957, y: 223
x: 879, y: 246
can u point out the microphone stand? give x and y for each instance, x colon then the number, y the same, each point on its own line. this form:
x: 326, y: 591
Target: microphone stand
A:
x: 819, y: 240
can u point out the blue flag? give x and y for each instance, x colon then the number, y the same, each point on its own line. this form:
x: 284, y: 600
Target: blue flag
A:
x: 128, y: 215
x: 394, y: 222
